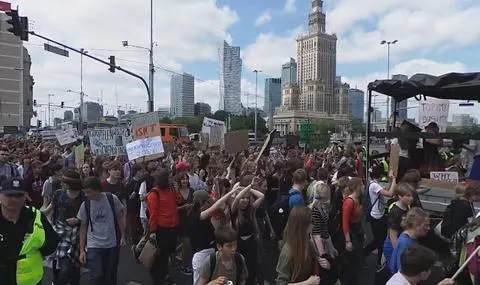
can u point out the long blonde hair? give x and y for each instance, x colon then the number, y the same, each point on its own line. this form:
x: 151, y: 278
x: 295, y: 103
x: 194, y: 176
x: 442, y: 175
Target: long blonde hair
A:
x: 297, y: 238
x: 322, y: 196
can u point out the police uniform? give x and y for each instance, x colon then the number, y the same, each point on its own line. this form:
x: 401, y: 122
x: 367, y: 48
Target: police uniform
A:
x: 24, y: 243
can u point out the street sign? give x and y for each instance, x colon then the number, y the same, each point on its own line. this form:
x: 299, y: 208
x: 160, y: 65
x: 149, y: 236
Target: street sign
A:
x: 56, y: 50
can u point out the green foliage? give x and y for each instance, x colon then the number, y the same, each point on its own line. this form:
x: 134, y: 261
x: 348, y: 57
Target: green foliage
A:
x: 323, y: 130
x: 470, y: 130
x: 194, y: 124
x: 358, y: 127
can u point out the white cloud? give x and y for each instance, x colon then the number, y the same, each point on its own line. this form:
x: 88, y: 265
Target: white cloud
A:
x: 269, y: 52
x: 290, y: 6
x: 419, y: 26
x: 263, y: 18
x: 85, y: 24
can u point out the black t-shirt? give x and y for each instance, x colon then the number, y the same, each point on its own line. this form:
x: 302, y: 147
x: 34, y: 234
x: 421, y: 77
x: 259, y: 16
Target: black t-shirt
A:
x: 115, y: 189
x: 395, y: 216
x: 11, y: 239
x: 202, y: 233
x: 133, y: 204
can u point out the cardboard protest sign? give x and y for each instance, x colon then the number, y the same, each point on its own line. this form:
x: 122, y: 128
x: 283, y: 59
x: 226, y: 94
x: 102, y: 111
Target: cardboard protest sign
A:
x: 144, y: 147
x: 445, y: 176
x: 111, y: 141
x: 216, y: 136
x: 67, y: 136
x: 236, y: 141
x: 266, y: 145
x: 434, y: 110
x: 394, y: 158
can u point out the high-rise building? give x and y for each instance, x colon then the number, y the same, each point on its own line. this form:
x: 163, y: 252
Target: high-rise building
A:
x: 16, y: 83
x: 230, y: 79
x: 402, y: 106
x: 182, y: 95
x: 163, y: 112
x: 68, y: 115
x: 289, y: 73
x: 316, y: 64
x: 356, y: 101
x: 273, y: 94
x: 340, y: 103
x: 202, y: 109
x: 463, y: 120
x: 91, y: 112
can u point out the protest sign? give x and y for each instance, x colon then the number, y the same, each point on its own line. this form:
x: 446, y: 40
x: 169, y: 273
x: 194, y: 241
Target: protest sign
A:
x: 146, y: 125
x: 67, y: 136
x: 144, y: 147
x: 109, y: 141
x: 434, y: 110
x: 236, y: 141
x: 79, y: 155
x: 208, y: 123
x: 48, y: 135
x: 216, y: 136
x: 446, y: 176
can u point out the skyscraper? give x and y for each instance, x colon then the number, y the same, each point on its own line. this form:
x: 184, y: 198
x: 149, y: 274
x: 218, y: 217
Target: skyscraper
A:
x: 316, y: 64
x: 182, y: 95
x: 402, y: 111
x: 230, y: 79
x: 202, y: 109
x: 356, y: 101
x: 273, y: 94
x: 289, y: 73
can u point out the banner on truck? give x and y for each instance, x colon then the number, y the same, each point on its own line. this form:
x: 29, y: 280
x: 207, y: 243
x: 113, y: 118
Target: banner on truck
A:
x: 208, y: 123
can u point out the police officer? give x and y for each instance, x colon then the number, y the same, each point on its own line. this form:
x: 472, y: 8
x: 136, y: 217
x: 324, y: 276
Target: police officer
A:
x: 26, y: 237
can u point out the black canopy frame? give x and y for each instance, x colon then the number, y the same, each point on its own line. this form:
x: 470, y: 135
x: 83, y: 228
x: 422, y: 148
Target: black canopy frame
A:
x: 453, y: 86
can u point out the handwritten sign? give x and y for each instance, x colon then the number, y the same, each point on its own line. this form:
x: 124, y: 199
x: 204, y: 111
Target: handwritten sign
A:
x: 434, y: 110
x: 67, y: 136
x: 236, y: 141
x: 216, y: 136
x: 446, y: 176
x: 208, y: 123
x: 48, y: 135
x: 79, y: 155
x: 146, y: 125
x: 111, y: 141
x: 144, y: 147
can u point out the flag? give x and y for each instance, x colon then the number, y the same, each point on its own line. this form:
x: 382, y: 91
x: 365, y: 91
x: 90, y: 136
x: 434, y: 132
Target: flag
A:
x: 5, y: 6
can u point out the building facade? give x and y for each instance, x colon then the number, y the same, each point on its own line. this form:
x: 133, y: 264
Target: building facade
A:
x: 68, y: 115
x: 182, y: 95
x: 356, y: 102
x: 289, y: 73
x: 16, y: 83
x: 230, y: 79
x: 163, y: 112
x: 316, y: 63
x: 273, y: 94
x: 463, y: 120
x: 92, y: 112
x: 202, y: 109
x: 340, y: 100
x: 402, y: 106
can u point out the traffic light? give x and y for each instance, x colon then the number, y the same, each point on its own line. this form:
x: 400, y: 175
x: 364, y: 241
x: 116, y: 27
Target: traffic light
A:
x: 62, y: 104
x: 39, y: 123
x: 112, y: 63
x: 15, y: 22
x: 24, y: 29
x: 34, y: 102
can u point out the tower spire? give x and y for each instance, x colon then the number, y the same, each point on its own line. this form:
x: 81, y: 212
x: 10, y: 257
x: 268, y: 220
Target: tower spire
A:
x: 316, y: 18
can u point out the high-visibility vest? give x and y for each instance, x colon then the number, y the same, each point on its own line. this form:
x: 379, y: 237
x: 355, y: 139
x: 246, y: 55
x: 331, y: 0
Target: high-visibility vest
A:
x: 30, y: 260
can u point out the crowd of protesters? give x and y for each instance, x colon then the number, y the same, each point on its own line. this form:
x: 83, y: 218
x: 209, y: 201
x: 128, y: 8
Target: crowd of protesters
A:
x: 214, y: 212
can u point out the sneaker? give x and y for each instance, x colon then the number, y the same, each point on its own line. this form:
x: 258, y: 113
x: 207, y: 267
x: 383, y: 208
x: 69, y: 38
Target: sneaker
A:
x: 186, y: 270
x: 135, y: 254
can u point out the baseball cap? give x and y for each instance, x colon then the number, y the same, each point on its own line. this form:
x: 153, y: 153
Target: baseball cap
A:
x: 11, y: 186
x: 181, y: 166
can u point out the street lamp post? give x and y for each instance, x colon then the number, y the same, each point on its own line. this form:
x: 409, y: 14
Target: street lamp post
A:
x: 151, y: 67
x: 80, y: 111
x: 388, y: 43
x: 256, y: 94
x: 49, y: 96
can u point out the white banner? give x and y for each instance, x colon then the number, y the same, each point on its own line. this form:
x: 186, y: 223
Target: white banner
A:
x: 48, y: 134
x: 208, y: 122
x: 447, y: 176
x: 67, y: 136
x: 111, y: 141
x: 216, y: 137
x: 434, y: 110
x: 144, y: 147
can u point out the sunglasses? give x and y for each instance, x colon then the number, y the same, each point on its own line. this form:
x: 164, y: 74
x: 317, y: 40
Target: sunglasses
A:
x: 14, y: 195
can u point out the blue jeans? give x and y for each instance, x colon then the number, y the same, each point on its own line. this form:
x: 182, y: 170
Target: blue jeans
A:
x: 103, y: 265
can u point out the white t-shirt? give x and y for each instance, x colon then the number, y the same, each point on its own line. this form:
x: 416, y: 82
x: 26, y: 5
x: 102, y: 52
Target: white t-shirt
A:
x: 398, y: 279
x: 378, y: 209
x: 142, y: 193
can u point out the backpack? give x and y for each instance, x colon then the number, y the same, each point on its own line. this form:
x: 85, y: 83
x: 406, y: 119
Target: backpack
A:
x: 280, y: 210
x: 112, y: 207
x: 60, y: 197
x: 238, y: 264
x: 367, y: 202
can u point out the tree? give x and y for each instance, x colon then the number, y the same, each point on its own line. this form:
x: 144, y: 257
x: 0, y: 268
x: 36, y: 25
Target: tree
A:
x: 323, y: 130
x: 194, y: 124
x: 358, y: 127
x: 220, y: 115
x: 166, y: 120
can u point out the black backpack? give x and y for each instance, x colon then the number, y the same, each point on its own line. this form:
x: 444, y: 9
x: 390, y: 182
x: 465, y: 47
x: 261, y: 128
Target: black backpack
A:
x: 280, y: 210
x: 238, y: 264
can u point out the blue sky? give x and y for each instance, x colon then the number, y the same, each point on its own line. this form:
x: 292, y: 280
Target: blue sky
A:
x: 435, y: 36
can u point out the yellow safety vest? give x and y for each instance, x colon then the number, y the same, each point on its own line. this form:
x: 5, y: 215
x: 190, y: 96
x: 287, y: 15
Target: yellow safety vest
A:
x: 30, y: 262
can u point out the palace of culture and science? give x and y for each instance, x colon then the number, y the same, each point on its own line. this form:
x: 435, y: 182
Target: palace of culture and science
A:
x: 318, y: 92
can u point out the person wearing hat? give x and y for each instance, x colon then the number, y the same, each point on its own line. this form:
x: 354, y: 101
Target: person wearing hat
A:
x: 26, y: 237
